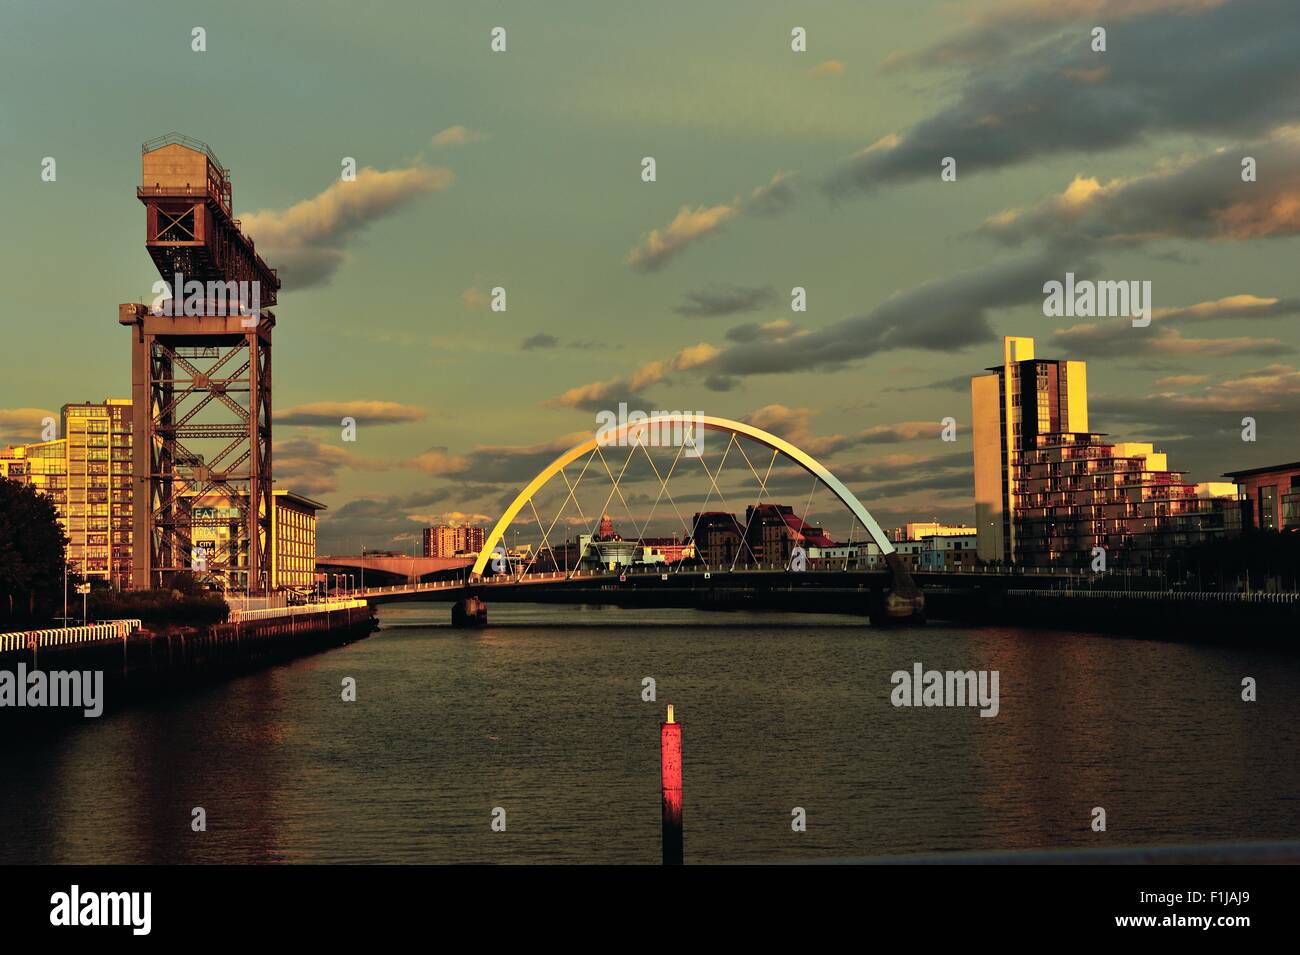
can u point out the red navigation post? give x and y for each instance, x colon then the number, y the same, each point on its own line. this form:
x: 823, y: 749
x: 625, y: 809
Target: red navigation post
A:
x: 670, y: 751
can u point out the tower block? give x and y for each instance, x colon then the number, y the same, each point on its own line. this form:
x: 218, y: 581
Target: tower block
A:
x: 200, y: 377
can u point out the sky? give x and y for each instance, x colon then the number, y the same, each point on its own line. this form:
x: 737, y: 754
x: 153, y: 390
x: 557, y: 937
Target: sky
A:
x: 774, y: 169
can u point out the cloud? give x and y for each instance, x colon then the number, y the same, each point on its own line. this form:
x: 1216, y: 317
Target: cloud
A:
x: 773, y: 198
x: 543, y: 340
x: 376, y: 521
x: 540, y: 340
x: 726, y: 300
x: 23, y: 425
x: 1202, y: 198
x: 454, y: 518
x: 778, y: 330
x: 456, y: 136
x: 330, y: 413
x: 945, y: 315
x: 307, y: 242
x: 795, y: 426
x: 600, y: 395
x: 440, y: 462
x: 657, y: 248
x: 1181, y: 381
x: 513, y: 466
x: 311, y: 467
x: 903, y: 431
x: 956, y: 383
x: 995, y: 32
x: 1119, y: 339
x: 1019, y: 100
x: 828, y: 68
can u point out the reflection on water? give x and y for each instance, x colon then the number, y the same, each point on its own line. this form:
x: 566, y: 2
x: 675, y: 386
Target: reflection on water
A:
x: 542, y: 715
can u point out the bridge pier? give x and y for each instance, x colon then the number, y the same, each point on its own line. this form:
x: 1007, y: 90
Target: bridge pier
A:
x: 903, y: 602
x: 469, y: 611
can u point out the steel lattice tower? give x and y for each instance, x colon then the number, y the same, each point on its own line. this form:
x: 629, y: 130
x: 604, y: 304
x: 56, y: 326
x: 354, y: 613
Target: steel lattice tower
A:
x: 200, y: 380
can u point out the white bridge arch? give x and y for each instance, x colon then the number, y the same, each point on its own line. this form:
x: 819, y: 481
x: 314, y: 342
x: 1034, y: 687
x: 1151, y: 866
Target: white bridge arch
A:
x: 633, y: 433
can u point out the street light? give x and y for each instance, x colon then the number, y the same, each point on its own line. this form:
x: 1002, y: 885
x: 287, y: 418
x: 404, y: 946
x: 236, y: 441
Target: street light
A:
x: 65, y: 592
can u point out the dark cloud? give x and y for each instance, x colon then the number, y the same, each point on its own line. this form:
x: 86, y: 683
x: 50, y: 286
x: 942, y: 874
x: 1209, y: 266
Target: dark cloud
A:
x: 1199, y: 198
x: 540, y: 340
x: 957, y: 383
x: 1230, y: 69
x: 726, y: 300
x: 776, y: 331
x: 946, y: 314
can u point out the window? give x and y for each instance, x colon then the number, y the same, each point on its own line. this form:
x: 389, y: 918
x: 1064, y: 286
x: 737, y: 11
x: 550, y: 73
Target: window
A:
x: 1268, y: 507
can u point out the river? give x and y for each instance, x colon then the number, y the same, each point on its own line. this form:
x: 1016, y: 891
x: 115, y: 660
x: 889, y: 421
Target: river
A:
x: 541, y: 714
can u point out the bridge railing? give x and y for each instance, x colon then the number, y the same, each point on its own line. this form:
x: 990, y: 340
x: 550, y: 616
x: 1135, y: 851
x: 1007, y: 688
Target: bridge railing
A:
x: 59, y: 636
x: 1183, y: 595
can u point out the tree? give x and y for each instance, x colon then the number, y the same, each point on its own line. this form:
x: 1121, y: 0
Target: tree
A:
x: 31, y: 554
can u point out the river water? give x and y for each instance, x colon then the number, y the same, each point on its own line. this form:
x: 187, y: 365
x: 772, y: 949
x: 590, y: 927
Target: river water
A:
x: 541, y: 714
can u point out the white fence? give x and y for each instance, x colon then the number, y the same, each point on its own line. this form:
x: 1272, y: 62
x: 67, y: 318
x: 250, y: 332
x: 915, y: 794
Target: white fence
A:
x: 241, y: 616
x: 94, y: 633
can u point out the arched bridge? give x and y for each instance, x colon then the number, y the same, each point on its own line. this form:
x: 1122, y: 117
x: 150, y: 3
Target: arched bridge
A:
x: 717, y: 559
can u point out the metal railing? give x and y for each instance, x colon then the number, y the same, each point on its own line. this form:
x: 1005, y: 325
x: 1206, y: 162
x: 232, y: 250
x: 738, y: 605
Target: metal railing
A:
x: 1182, y: 595
x: 61, y: 636
x: 190, y: 142
x: 323, y: 606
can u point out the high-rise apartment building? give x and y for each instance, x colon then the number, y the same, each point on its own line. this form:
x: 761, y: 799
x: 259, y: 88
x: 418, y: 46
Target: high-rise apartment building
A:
x: 1049, y: 492
x: 445, y: 540
x: 87, y: 473
x: 1022, y: 398
x: 99, y: 501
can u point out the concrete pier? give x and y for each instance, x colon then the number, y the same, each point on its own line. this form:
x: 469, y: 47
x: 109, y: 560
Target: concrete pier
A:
x: 469, y: 611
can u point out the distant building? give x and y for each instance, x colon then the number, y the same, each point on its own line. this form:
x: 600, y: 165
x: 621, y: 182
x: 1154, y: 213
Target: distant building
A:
x: 938, y: 552
x: 773, y: 531
x: 1270, y: 496
x: 1048, y: 491
x: 87, y: 474
x: 919, y: 530
x: 864, y: 555
x: 718, y: 539
x: 446, y: 540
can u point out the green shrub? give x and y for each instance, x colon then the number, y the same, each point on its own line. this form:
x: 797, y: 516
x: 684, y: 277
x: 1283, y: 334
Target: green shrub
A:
x: 159, y: 607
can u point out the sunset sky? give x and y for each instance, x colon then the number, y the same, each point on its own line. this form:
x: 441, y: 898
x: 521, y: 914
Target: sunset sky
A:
x: 775, y: 169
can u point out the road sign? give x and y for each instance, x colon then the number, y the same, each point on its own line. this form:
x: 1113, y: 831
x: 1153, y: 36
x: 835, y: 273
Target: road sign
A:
x: 83, y: 588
